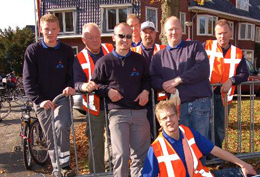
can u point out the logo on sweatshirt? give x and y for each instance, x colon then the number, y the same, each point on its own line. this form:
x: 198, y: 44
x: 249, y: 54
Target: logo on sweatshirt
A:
x: 134, y: 72
x: 59, y: 65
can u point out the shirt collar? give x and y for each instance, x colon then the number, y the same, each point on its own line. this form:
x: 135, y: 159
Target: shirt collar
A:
x: 93, y: 55
x: 135, y: 45
x: 143, y: 47
x: 120, y: 56
x: 177, y: 47
x: 46, y: 47
x: 170, y: 139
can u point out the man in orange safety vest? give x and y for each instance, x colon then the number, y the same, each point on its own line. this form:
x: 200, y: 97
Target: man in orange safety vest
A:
x: 83, y: 68
x: 178, y: 149
x: 227, y: 67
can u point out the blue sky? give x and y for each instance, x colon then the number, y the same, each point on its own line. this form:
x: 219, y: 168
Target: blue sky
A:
x: 16, y: 13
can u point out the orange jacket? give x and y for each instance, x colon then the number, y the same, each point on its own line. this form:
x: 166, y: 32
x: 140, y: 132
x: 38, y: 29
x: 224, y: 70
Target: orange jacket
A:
x: 138, y: 49
x: 170, y: 164
x: 223, y: 67
x: 87, y: 64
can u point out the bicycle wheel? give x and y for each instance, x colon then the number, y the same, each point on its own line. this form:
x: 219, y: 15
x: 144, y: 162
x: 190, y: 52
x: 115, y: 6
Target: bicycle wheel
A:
x: 38, y: 144
x: 5, y: 109
x: 26, y: 152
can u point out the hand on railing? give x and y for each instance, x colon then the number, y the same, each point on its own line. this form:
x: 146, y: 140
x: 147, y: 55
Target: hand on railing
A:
x: 89, y: 86
x: 68, y: 91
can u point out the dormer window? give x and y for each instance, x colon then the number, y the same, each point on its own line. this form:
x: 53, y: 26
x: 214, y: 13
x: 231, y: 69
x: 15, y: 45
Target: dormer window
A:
x: 242, y: 4
x: 67, y: 19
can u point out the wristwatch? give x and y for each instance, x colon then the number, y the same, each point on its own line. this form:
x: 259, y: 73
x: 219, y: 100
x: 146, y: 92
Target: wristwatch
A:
x: 232, y: 80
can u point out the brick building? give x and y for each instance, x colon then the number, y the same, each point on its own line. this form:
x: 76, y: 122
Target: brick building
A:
x: 197, y: 17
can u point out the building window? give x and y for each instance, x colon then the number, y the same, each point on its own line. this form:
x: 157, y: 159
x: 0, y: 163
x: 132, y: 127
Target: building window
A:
x: 246, y: 31
x: 75, y: 50
x: 67, y: 19
x: 242, y: 4
x: 257, y: 34
x: 232, y: 29
x: 183, y: 20
x: 206, y: 24
x: 112, y: 15
x: 248, y: 54
x: 151, y: 14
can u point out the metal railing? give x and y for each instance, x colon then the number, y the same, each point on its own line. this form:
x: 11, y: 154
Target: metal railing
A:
x: 243, y: 155
x: 251, y: 126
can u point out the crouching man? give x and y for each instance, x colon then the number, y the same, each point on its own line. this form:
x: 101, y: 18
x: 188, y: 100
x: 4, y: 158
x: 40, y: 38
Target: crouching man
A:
x: 178, y: 149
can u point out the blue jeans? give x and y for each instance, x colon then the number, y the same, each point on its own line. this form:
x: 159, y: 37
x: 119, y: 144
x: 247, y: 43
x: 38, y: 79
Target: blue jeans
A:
x: 219, y: 120
x: 196, y: 115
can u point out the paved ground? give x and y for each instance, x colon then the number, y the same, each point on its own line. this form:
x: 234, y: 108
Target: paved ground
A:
x: 11, y: 158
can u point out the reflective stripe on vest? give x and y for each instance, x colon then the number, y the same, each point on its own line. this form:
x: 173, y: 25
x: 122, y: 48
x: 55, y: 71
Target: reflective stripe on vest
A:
x: 157, y: 48
x: 169, y: 161
x: 222, y: 68
x: 87, y: 64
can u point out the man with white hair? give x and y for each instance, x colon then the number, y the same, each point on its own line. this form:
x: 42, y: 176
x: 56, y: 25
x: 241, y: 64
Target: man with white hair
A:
x: 83, y: 68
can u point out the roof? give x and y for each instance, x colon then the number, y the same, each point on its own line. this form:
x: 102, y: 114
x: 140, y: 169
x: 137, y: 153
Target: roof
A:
x: 228, y: 7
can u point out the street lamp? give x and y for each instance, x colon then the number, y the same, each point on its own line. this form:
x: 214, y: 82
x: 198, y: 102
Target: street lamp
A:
x: 188, y: 24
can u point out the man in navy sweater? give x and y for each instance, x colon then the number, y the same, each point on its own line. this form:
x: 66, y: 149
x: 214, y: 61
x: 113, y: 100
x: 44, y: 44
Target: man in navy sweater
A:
x: 123, y: 77
x: 47, y: 72
x: 184, y: 65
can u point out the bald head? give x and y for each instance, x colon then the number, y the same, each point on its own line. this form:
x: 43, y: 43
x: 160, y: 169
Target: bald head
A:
x: 91, y: 37
x: 173, y: 31
x: 122, y: 38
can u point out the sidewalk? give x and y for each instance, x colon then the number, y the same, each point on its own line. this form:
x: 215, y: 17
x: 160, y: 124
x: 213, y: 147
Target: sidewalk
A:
x: 11, y: 155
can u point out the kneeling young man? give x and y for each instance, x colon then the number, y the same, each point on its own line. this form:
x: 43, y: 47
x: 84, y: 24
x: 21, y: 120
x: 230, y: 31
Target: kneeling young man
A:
x: 178, y: 149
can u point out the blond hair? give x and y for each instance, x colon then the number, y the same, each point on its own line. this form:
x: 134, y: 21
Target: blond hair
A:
x: 49, y: 18
x: 165, y: 104
x: 131, y: 16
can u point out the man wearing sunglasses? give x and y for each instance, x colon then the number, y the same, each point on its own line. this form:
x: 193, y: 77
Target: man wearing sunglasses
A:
x: 83, y: 68
x: 123, y: 77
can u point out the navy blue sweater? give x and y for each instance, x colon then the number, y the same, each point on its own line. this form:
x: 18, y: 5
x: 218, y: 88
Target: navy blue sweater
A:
x: 190, y: 62
x: 129, y: 79
x: 47, y: 71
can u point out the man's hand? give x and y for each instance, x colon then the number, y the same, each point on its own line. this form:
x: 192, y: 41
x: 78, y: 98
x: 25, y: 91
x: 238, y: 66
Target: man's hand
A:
x: 247, y: 169
x: 143, y: 98
x: 68, y: 91
x: 226, y: 86
x: 47, y: 104
x: 114, y: 95
x: 89, y: 87
x: 169, y: 86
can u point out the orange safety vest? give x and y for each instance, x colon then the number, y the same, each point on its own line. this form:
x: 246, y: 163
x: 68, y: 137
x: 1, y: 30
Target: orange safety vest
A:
x: 138, y: 49
x: 223, y: 67
x: 87, y: 64
x: 170, y: 164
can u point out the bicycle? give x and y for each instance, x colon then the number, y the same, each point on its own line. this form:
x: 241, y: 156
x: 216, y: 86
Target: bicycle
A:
x: 5, y: 104
x: 33, y: 141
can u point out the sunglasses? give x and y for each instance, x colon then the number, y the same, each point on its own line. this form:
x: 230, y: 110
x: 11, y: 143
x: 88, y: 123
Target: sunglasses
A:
x: 122, y: 36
